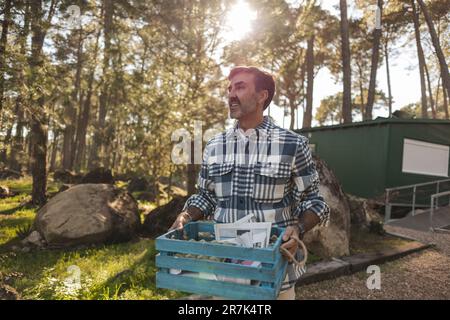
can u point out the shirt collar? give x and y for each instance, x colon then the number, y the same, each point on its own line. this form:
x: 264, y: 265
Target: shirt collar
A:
x: 263, y: 128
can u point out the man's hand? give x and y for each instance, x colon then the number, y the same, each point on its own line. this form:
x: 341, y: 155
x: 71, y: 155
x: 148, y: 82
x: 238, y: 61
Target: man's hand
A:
x: 183, y: 218
x: 190, y: 214
x: 290, y: 244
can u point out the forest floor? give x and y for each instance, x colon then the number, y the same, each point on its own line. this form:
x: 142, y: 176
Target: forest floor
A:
x: 118, y: 271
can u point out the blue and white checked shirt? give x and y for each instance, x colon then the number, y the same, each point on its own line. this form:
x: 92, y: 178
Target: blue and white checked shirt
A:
x: 268, y: 171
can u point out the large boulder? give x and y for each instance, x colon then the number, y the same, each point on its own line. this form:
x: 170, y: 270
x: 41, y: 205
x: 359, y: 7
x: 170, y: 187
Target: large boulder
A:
x: 87, y: 214
x: 160, y: 219
x: 334, y: 240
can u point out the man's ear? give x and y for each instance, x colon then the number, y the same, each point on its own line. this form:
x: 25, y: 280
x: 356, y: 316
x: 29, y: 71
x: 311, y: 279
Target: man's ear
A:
x: 262, y: 96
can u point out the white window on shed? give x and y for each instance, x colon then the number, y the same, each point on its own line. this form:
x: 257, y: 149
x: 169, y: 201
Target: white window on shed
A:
x: 425, y: 158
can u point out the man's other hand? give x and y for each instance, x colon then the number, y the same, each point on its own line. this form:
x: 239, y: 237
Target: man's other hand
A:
x: 183, y: 218
x: 288, y: 243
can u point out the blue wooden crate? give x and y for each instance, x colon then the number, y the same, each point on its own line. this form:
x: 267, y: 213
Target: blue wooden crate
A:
x: 270, y: 274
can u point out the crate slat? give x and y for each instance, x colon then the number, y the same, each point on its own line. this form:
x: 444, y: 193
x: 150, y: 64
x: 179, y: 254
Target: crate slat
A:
x: 214, y: 288
x: 218, y: 268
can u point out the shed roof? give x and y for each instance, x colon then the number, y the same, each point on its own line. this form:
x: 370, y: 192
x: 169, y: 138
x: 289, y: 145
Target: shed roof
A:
x: 377, y: 121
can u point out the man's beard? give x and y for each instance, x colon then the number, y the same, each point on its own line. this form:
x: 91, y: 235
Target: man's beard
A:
x: 237, y: 110
x: 235, y: 107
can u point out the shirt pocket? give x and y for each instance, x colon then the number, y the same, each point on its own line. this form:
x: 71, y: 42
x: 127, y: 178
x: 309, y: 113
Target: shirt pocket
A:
x: 271, y: 180
x: 221, y: 174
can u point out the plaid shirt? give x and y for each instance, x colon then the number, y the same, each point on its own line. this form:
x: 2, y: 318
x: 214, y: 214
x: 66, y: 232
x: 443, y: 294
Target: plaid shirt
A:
x: 268, y: 172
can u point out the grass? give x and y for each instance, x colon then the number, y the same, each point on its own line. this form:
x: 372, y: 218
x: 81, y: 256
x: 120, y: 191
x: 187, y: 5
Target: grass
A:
x: 119, y: 271
x: 122, y: 271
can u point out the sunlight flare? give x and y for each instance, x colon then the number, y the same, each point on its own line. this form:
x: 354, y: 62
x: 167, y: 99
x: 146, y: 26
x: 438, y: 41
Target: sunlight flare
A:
x: 239, y: 21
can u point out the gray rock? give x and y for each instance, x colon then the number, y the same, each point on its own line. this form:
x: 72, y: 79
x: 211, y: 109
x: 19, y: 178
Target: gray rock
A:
x: 88, y: 214
x: 33, y: 239
x: 334, y: 240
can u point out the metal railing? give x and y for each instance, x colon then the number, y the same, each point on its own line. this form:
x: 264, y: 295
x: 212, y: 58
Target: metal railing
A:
x: 435, y: 197
x: 413, y: 203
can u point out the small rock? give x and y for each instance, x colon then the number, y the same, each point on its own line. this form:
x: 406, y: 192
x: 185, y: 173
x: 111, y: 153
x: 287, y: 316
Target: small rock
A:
x: 34, y: 239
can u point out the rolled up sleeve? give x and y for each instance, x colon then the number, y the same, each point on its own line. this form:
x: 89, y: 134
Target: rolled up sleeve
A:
x: 205, y: 198
x: 306, y: 185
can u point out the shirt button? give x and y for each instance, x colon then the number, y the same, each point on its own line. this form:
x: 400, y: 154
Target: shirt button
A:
x: 241, y: 201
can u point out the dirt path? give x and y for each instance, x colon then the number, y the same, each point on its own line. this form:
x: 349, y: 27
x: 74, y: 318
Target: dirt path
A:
x: 423, y: 275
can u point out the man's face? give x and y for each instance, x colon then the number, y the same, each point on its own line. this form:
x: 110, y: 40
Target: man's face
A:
x: 242, y: 96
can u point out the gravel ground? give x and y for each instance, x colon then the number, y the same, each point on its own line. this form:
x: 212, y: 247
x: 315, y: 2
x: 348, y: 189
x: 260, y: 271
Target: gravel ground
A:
x: 422, y: 275
x: 442, y: 240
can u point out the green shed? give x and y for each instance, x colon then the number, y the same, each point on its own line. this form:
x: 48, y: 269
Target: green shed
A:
x: 370, y: 156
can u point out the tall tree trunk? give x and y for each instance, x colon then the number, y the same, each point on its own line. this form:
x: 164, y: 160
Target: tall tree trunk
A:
x: 293, y: 107
x: 15, y: 157
x: 6, y: 142
x: 99, y: 134
x: 388, y: 75
x: 3, y: 43
x: 38, y: 133
x: 347, y: 94
x: 421, y: 57
x: 71, y: 112
x: 374, y: 67
x: 17, y: 146
x: 77, y: 93
x: 437, y: 47
x: 69, y: 116
x: 307, y: 117
x: 54, y: 151
x: 83, y: 118
x: 361, y: 89
x: 430, y: 92
x: 191, y: 172
x: 37, y: 124
x: 445, y: 102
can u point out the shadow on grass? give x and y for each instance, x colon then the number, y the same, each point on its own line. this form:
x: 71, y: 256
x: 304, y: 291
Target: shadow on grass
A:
x: 11, y: 211
x: 141, y: 275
